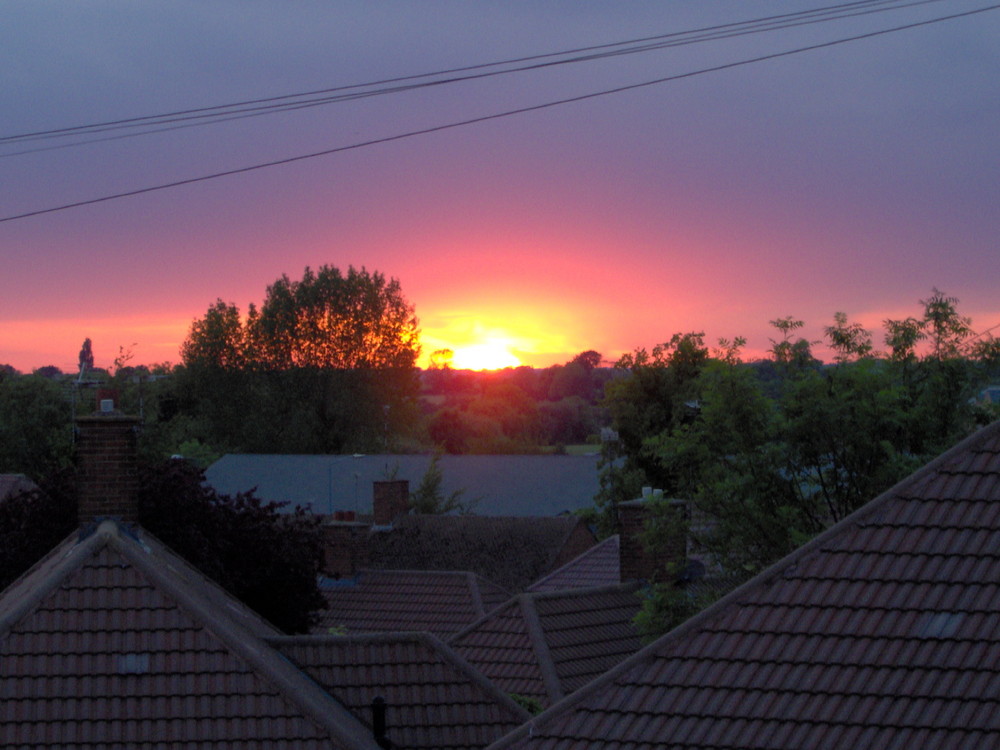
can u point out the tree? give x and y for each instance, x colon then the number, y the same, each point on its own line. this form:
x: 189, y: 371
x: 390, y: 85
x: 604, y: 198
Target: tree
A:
x: 849, y: 340
x: 944, y: 327
x: 332, y: 320
x: 326, y: 365
x: 589, y: 359
x: 429, y: 497
x: 35, y: 426
x: 441, y: 359
x: 766, y: 464
x: 218, y: 340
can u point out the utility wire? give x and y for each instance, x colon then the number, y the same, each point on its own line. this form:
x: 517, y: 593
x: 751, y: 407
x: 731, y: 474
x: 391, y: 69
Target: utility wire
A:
x: 288, y: 102
x: 499, y: 115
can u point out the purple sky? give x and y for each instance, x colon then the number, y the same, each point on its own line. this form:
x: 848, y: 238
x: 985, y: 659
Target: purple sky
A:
x: 853, y: 178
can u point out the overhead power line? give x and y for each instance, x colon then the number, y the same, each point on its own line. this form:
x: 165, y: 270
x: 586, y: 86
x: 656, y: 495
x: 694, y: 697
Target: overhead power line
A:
x: 288, y: 102
x: 500, y: 115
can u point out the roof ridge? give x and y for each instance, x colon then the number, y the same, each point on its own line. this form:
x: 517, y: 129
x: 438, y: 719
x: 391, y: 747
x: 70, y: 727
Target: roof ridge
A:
x: 536, y: 634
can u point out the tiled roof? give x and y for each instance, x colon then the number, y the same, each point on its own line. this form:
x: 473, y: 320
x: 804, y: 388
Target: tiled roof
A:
x: 385, y: 601
x: 434, y: 699
x: 881, y: 632
x: 598, y: 566
x: 113, y: 642
x: 546, y: 645
x: 512, y: 552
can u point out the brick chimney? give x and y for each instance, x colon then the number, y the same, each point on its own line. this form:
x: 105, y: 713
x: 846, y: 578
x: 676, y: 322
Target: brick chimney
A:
x: 107, y: 467
x: 346, y: 546
x: 390, y: 500
x: 637, y: 562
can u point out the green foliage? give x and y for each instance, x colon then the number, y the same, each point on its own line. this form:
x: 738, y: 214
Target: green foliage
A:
x: 268, y: 558
x: 34, y: 522
x: 771, y: 454
x: 515, y: 410
x: 666, y: 605
x: 848, y: 340
x: 36, y: 430
x: 532, y: 705
x: 429, y: 497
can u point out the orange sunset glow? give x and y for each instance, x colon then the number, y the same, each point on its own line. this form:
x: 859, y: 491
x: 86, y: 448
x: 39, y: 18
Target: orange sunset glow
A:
x: 602, y: 203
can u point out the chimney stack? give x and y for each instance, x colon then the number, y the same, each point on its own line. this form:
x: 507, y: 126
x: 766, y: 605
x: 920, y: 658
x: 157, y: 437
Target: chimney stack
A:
x: 636, y: 561
x: 108, y: 467
x: 390, y: 500
x: 346, y: 548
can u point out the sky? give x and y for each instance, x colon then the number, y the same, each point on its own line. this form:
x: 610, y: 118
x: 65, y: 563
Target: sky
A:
x: 853, y: 177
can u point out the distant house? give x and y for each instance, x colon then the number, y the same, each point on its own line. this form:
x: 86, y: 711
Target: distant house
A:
x: 881, y: 632
x: 518, y: 485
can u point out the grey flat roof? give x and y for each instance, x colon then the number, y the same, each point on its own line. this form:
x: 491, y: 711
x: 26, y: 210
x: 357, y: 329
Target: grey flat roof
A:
x: 518, y: 485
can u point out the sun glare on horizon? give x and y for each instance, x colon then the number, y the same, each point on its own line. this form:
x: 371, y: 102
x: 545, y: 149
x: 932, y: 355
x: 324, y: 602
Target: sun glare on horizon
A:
x: 493, y: 354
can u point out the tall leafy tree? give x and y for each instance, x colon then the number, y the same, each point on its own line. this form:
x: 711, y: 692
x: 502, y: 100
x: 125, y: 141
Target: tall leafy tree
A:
x: 326, y: 364
x: 330, y: 319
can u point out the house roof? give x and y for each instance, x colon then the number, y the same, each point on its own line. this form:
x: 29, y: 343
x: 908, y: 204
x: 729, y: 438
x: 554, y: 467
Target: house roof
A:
x: 546, y: 645
x: 111, y: 640
x: 434, y: 699
x: 510, y: 551
x: 881, y: 632
x: 598, y: 566
x: 380, y: 601
x: 514, y: 485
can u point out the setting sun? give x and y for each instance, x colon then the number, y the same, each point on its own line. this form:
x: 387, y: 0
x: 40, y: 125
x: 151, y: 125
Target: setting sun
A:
x: 493, y: 354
